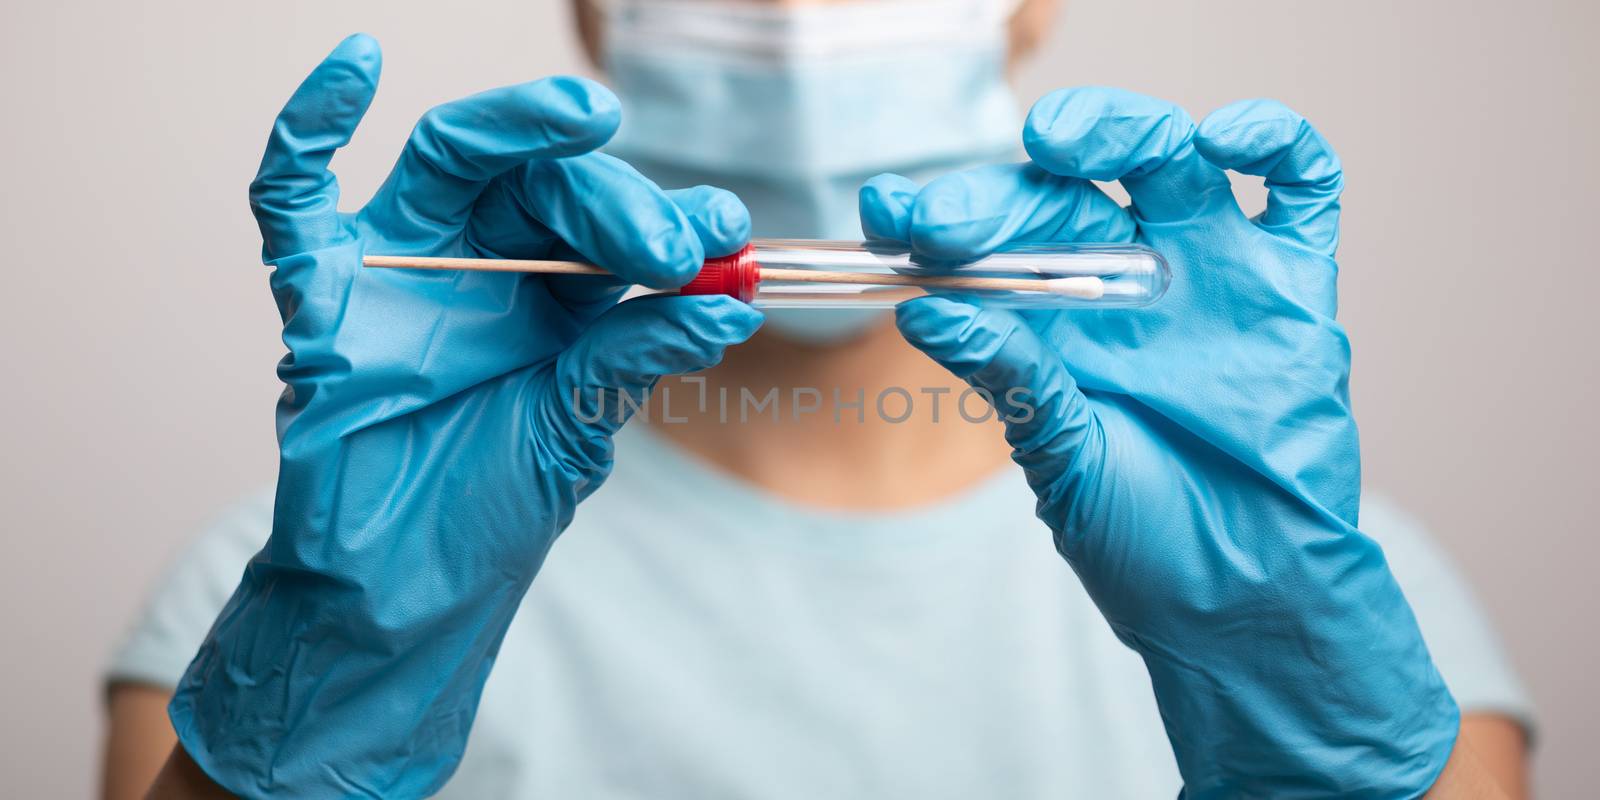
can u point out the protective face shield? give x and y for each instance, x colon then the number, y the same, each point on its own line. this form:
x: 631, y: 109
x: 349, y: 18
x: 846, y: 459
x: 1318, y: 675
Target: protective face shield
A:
x: 794, y: 107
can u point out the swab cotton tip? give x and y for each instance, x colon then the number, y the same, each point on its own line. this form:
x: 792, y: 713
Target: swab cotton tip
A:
x: 1083, y: 288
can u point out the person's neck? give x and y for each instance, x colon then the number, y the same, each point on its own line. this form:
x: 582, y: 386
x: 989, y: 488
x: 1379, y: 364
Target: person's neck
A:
x: 810, y: 444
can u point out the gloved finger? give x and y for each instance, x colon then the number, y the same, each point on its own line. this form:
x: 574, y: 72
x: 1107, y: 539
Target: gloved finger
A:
x: 969, y: 214
x: 502, y: 227
x: 885, y: 202
x: 1112, y: 135
x: 605, y: 375
x: 603, y: 210
x: 717, y: 217
x: 1049, y: 423
x: 1303, y: 175
x: 294, y: 197
x: 456, y: 148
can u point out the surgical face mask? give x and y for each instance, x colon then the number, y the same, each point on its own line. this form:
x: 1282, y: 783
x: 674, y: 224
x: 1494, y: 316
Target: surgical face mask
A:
x: 792, y: 108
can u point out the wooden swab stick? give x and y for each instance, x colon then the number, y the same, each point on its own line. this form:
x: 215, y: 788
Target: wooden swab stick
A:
x: 486, y: 264
x: 1085, y: 287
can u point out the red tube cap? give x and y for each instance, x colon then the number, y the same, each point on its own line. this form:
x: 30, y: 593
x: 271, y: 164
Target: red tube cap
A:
x: 734, y: 276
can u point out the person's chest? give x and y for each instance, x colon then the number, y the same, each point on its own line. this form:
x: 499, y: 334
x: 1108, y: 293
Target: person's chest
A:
x: 664, y: 665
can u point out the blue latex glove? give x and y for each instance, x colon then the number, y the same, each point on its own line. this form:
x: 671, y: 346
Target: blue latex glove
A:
x: 430, y: 449
x: 1197, y: 460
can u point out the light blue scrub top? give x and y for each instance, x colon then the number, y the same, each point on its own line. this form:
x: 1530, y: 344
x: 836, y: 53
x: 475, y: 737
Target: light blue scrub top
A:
x: 692, y: 636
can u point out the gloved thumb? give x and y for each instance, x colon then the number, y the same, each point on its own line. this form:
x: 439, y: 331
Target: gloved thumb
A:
x: 1052, y: 429
x: 606, y: 375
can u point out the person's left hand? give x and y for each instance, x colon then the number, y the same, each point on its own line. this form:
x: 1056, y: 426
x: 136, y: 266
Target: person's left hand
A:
x: 1197, y: 460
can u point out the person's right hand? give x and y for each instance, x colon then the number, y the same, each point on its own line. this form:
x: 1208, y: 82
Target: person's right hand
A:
x: 438, y: 428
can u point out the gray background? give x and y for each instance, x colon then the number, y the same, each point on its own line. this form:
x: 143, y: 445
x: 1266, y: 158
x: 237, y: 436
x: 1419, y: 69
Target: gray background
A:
x: 139, y: 338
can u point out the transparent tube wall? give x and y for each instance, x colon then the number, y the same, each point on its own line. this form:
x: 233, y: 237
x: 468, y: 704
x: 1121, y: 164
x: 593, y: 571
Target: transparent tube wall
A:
x: 1068, y: 275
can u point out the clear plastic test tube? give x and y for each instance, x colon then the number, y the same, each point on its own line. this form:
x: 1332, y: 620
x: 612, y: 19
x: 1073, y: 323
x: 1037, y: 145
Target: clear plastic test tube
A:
x: 805, y: 273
